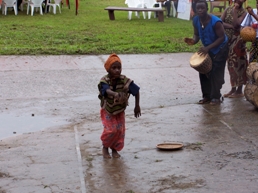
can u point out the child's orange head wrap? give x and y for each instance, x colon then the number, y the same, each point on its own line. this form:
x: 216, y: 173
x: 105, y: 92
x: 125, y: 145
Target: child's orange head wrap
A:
x: 111, y: 60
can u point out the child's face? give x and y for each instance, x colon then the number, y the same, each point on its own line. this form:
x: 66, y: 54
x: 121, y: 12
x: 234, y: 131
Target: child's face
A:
x: 115, y: 70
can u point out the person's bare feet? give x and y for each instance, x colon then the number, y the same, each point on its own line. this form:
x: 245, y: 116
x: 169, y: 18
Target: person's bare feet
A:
x: 236, y: 95
x: 106, y: 153
x: 115, y: 154
x: 229, y: 93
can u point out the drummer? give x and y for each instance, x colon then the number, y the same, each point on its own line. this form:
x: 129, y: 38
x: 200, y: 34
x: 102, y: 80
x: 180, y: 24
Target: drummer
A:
x: 210, y: 30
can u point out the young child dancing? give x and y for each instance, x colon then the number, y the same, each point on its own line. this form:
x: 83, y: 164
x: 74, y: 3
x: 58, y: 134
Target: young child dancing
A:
x: 114, y: 91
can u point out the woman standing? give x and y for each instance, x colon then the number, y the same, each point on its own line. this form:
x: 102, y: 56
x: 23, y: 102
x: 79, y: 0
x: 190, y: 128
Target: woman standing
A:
x: 251, y: 19
x: 237, y: 57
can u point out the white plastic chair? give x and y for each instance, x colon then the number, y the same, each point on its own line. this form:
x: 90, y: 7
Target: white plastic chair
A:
x: 33, y: 4
x: 134, y: 3
x: 150, y: 4
x: 9, y: 3
x: 56, y: 3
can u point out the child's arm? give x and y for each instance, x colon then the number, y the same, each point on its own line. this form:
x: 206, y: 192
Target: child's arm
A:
x: 251, y: 12
x: 137, y: 108
x: 135, y: 91
x: 112, y: 93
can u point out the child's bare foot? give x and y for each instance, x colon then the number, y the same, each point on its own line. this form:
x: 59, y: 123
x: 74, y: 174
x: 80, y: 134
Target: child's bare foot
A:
x: 105, y: 153
x: 115, y: 154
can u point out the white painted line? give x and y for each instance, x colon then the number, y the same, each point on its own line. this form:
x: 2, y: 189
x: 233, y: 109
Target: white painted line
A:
x: 207, y: 111
x: 223, y: 122
x: 226, y: 124
x: 83, y: 186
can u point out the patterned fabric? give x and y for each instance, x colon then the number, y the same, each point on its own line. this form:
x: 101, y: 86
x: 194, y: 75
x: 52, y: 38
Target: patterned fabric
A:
x: 121, y: 86
x: 253, y: 56
x: 237, y: 57
x: 249, y: 21
x: 229, y: 20
x: 114, y: 130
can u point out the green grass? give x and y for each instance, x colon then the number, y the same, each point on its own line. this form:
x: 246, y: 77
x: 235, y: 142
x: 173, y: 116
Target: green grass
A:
x: 91, y: 32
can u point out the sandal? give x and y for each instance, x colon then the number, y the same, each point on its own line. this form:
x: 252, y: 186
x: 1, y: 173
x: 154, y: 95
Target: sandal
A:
x: 228, y: 94
x: 204, y: 101
x: 216, y: 101
x: 236, y: 95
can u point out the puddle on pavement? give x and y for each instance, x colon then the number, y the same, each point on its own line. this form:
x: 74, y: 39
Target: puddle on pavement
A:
x: 12, y: 125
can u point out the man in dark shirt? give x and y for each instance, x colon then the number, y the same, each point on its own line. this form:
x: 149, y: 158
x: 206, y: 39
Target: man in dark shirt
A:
x: 167, y: 4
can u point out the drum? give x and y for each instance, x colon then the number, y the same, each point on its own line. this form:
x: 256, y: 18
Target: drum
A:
x: 252, y: 72
x: 248, y: 34
x: 251, y: 93
x: 202, y: 64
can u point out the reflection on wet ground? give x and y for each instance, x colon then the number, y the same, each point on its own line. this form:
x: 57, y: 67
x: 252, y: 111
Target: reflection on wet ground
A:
x: 220, y: 151
x: 215, y: 144
x: 18, y: 124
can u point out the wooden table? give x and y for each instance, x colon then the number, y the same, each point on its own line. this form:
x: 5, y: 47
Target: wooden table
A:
x: 111, y: 10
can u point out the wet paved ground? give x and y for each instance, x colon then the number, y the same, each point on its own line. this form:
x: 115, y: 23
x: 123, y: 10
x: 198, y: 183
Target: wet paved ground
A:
x: 60, y: 150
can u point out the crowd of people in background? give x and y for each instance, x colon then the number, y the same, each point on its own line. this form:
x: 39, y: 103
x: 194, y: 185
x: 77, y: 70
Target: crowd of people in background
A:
x: 237, y: 58
x: 233, y: 19
x: 252, y: 20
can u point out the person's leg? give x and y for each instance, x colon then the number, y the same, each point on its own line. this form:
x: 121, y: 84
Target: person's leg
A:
x: 105, y: 153
x: 205, y: 87
x: 218, y: 72
x: 113, y: 133
x: 18, y: 4
x: 168, y: 7
x: 217, y: 80
x: 237, y: 65
x: 239, y: 90
x: 233, y: 90
x: 115, y: 154
x: 238, y: 93
x: 175, y: 4
x: 230, y: 67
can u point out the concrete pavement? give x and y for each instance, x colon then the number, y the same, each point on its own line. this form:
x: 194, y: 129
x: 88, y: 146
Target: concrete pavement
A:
x: 50, y: 129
